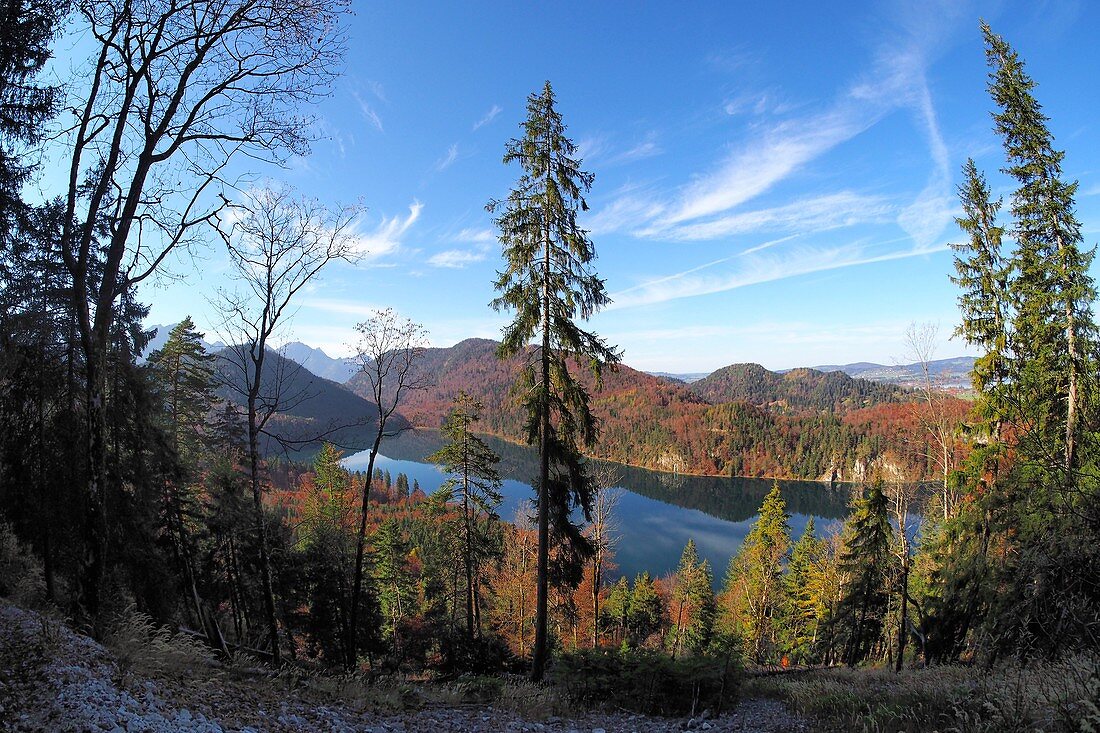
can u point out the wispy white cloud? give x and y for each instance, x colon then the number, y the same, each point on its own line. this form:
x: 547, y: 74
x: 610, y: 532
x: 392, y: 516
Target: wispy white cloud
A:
x: 385, y: 238
x: 367, y: 111
x: 488, y: 117
x: 647, y: 148
x: 811, y: 214
x: 476, y: 236
x: 757, y: 166
x: 603, y: 149
x: 447, y: 160
x: 752, y: 268
x: 768, y: 102
x: 631, y: 210
x: 339, y: 306
x: 934, y: 208
x: 592, y: 147
x: 377, y: 90
x: 456, y: 259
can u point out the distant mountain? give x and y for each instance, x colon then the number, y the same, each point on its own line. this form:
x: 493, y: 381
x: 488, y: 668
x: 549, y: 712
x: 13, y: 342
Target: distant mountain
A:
x: 685, y: 378
x: 823, y: 429
x: 951, y: 373
x: 161, y: 337
x: 315, y: 408
x: 318, y: 362
x: 797, y: 390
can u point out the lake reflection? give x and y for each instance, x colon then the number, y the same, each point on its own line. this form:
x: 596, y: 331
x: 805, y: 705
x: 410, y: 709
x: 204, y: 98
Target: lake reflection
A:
x: 657, y: 513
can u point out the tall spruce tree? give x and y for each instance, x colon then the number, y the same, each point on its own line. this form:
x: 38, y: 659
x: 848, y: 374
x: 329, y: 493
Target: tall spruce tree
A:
x: 1053, y: 325
x: 475, y: 484
x: 801, y: 605
x: 865, y: 564
x: 181, y: 375
x: 548, y: 280
x: 753, y: 587
x: 692, y: 604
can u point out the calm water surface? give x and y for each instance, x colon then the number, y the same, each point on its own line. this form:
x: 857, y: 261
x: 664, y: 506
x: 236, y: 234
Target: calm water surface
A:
x: 657, y: 513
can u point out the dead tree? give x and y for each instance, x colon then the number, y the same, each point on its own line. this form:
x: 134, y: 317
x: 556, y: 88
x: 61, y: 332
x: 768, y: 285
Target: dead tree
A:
x: 277, y: 244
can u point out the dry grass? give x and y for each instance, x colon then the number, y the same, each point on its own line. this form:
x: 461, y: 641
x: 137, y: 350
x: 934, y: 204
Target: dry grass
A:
x: 141, y: 646
x: 1061, y: 696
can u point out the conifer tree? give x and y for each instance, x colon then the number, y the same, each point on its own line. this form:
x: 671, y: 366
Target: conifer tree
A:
x: 182, y: 376
x: 801, y: 614
x: 865, y: 564
x: 645, y: 609
x: 1053, y: 325
x: 692, y: 602
x: 983, y: 275
x: 617, y: 607
x: 475, y: 484
x: 549, y: 282
x: 753, y: 587
x: 325, y: 535
x: 395, y: 582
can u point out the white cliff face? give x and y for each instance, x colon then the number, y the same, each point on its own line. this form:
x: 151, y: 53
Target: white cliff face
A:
x: 864, y: 470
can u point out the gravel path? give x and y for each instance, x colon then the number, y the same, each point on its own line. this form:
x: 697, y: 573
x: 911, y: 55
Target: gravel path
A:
x: 52, y: 679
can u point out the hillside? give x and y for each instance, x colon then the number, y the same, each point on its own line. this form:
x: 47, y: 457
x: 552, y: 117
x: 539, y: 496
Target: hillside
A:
x: 652, y: 422
x: 54, y: 678
x: 314, y: 408
x: 953, y: 373
x: 798, y: 390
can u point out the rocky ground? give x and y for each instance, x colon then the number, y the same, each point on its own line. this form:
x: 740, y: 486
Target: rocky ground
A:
x: 52, y: 679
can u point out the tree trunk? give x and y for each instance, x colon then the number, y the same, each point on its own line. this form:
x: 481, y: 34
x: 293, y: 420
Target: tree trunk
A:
x: 360, y: 548
x: 1071, y: 398
x: 538, y: 660
x: 95, y: 572
x: 469, y: 553
x: 261, y: 525
x: 902, y: 635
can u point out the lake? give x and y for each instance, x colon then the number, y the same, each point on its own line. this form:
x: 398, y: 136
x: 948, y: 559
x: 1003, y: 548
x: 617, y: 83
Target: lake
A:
x: 657, y: 513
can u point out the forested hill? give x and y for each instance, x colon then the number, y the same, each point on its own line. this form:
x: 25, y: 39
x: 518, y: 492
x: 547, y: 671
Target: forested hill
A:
x: 797, y: 390
x: 311, y: 408
x: 658, y: 423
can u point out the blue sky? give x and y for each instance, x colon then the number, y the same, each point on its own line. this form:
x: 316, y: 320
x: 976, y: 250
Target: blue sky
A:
x: 775, y: 182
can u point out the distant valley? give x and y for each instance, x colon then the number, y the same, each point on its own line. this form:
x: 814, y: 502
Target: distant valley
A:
x: 832, y: 423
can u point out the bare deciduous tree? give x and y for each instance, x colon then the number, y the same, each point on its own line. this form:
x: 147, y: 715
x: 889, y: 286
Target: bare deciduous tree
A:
x: 277, y: 243
x: 386, y: 355
x: 175, y: 91
x: 602, y: 532
x: 935, y: 421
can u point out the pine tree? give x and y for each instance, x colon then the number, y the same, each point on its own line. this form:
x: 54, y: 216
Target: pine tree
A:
x: 475, y: 484
x: 801, y: 612
x: 865, y: 565
x: 692, y: 603
x: 617, y: 607
x: 983, y: 275
x: 181, y: 374
x: 325, y: 535
x: 753, y: 587
x: 645, y: 610
x: 183, y: 377
x: 395, y: 582
x: 1053, y: 325
x: 548, y: 281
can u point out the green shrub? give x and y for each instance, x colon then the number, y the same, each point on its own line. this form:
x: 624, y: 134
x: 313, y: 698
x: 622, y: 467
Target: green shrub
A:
x: 648, y: 681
